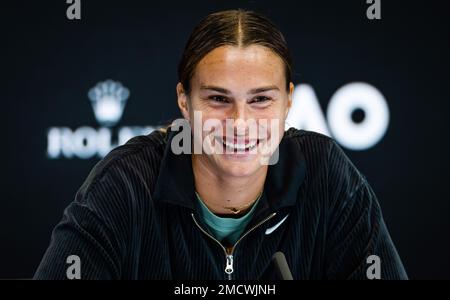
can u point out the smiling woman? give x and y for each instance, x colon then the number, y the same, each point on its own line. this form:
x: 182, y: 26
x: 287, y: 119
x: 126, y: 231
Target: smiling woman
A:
x: 147, y: 211
x: 241, y: 72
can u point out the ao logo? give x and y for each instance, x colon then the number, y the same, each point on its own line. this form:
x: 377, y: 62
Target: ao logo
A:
x: 108, y: 101
x: 306, y: 113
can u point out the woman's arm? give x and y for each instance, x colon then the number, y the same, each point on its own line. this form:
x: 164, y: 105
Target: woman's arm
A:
x: 93, y: 228
x: 357, y: 236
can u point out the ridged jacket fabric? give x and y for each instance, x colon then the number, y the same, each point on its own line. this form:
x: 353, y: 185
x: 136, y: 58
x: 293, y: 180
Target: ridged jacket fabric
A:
x: 135, y: 217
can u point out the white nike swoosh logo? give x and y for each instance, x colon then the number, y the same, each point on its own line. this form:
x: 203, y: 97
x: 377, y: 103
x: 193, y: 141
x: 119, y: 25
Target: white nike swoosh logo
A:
x: 273, y: 228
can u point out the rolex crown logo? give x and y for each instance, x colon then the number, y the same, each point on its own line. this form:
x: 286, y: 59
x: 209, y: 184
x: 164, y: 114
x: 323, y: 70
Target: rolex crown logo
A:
x: 108, y: 99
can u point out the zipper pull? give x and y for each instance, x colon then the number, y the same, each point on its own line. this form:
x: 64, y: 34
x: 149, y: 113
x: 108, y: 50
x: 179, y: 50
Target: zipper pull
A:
x: 229, y: 265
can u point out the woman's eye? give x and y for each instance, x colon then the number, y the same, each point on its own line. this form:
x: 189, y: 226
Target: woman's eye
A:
x: 220, y: 99
x: 260, y: 99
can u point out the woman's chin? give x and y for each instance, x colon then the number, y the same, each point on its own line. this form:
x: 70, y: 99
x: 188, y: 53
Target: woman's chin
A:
x: 239, y: 165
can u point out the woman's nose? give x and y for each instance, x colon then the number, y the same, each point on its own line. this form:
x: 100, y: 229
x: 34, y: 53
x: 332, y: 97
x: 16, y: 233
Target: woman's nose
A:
x: 240, y: 117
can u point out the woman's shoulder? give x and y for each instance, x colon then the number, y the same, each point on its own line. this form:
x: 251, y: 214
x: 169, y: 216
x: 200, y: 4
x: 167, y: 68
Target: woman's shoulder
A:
x: 321, y: 151
x: 306, y: 135
x: 135, y: 162
x: 312, y: 144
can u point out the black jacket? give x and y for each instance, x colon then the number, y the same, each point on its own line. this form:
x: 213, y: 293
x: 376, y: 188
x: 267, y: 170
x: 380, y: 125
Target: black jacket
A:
x: 135, y: 217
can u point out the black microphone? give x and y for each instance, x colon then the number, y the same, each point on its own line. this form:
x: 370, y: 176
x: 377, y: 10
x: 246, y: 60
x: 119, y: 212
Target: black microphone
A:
x: 282, y: 266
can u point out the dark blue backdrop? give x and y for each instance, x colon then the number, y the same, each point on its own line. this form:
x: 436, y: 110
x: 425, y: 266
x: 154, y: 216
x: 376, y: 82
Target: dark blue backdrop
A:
x: 49, y: 63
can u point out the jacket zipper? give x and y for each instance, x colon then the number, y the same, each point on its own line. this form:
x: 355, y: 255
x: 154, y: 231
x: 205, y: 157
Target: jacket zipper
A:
x: 229, y: 259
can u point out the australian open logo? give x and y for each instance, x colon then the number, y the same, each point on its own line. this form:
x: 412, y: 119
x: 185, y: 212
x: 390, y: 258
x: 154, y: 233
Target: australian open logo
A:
x: 108, y: 100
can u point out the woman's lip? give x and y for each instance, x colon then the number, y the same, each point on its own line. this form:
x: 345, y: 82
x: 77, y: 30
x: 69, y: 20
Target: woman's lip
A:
x: 238, y: 148
x: 237, y: 140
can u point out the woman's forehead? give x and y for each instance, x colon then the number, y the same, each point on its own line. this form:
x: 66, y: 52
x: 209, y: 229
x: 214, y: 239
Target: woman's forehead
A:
x: 252, y: 65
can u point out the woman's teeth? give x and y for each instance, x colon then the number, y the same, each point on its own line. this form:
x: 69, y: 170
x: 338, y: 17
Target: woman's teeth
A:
x: 240, y: 147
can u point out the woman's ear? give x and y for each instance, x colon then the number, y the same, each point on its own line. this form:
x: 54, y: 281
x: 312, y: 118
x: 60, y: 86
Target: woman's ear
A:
x: 182, y: 101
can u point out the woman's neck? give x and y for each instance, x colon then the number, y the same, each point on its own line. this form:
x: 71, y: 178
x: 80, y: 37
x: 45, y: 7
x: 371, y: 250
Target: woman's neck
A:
x: 227, y: 195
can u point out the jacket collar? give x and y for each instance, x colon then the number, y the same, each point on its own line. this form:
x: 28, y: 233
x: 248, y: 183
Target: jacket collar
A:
x: 175, y: 183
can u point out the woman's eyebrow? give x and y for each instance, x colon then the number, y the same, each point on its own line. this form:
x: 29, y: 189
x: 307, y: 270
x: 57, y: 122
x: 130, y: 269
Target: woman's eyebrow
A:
x: 263, y: 89
x: 215, y: 88
x: 252, y: 91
